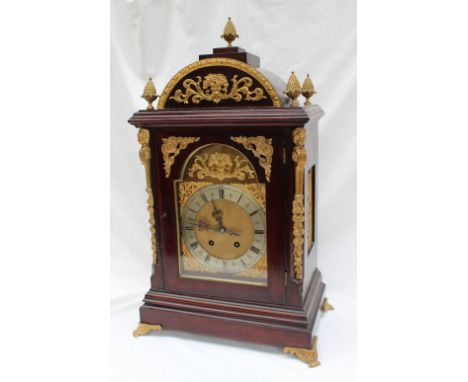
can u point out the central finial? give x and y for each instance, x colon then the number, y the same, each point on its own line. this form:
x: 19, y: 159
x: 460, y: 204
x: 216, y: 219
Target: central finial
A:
x: 230, y: 33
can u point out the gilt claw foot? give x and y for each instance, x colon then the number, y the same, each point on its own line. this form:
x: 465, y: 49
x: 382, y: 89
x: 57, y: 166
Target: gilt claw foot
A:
x: 309, y: 356
x: 326, y: 306
x: 144, y: 329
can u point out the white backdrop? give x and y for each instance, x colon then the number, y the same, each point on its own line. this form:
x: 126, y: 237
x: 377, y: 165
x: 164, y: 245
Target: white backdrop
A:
x: 157, y: 38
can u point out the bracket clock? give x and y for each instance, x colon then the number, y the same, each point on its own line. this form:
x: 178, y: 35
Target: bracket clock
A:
x: 231, y: 173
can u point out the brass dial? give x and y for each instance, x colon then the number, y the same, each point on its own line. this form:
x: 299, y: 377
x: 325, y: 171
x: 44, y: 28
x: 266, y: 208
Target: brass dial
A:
x: 224, y: 228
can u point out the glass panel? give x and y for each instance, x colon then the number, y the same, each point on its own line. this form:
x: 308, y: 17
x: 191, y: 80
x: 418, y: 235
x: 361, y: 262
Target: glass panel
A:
x: 222, y: 228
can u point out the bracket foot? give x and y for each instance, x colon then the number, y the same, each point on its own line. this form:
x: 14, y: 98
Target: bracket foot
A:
x: 143, y: 329
x: 326, y: 306
x: 309, y: 356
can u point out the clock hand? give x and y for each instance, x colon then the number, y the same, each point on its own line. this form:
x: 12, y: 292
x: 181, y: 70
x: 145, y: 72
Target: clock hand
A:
x: 231, y: 232
x: 218, y: 215
x: 202, y: 226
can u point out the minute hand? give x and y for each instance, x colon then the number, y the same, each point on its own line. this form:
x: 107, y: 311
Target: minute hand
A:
x: 218, y: 215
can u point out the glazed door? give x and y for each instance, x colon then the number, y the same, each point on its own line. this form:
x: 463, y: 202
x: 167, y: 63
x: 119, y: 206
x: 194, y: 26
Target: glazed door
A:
x: 219, y: 208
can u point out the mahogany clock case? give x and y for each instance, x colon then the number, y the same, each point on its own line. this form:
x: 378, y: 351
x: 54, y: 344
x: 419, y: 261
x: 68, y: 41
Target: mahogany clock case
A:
x: 282, y: 313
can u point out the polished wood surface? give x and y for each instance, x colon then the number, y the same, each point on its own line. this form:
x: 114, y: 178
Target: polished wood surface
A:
x: 235, y: 53
x: 279, y: 325
x: 221, y: 118
x: 284, y: 312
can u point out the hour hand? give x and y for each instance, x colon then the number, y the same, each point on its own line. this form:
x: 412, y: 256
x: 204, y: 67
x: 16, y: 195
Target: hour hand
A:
x: 202, y: 226
x: 218, y: 215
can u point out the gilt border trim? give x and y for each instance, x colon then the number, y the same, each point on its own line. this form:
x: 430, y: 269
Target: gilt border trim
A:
x: 145, y: 157
x: 299, y: 157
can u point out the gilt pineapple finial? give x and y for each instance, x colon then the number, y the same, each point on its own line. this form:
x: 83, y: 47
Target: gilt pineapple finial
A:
x: 293, y: 90
x: 308, y: 90
x: 230, y: 33
x: 149, y: 94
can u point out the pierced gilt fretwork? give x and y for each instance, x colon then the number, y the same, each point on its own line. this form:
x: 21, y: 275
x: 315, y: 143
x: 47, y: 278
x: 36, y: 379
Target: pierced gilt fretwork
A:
x: 186, y: 190
x: 261, y: 147
x: 271, y: 95
x: 257, y: 190
x: 259, y: 270
x: 145, y: 157
x: 299, y: 157
x: 221, y: 166
x: 309, y: 356
x: 191, y: 264
x: 171, y: 147
x: 215, y: 88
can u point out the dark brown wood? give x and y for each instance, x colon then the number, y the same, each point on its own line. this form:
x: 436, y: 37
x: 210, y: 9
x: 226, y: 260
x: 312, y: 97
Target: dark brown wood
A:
x: 266, y: 324
x: 235, y: 53
x: 284, y: 312
x: 220, y: 118
x: 275, y: 290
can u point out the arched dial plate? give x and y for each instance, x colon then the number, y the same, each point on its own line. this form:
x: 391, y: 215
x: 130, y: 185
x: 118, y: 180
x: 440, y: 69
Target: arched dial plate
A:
x: 224, y: 228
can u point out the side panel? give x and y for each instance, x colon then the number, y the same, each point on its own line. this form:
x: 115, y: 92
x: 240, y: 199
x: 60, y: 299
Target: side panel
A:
x: 310, y: 255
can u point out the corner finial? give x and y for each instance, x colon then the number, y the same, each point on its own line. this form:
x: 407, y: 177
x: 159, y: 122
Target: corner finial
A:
x: 230, y: 33
x: 149, y: 94
x: 293, y: 89
x: 308, y: 90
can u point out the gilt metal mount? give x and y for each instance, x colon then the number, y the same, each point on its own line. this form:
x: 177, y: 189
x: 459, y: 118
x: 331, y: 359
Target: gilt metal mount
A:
x: 293, y: 90
x: 230, y: 33
x: 144, y: 329
x: 309, y: 356
x: 149, y: 94
x: 326, y: 306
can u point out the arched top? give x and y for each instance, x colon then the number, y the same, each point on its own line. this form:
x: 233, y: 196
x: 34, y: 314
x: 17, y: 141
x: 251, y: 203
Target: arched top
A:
x: 218, y: 81
x: 216, y: 162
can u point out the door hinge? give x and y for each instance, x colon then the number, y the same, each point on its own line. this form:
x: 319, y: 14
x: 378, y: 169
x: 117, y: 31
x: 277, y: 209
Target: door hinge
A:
x: 284, y: 155
x: 285, y: 279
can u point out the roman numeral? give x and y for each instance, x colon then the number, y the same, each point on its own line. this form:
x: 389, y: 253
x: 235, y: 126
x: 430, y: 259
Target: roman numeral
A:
x: 240, y: 197
x: 243, y: 262
x: 253, y: 213
x: 204, y: 197
x: 259, y: 232
x: 194, y: 245
x: 254, y: 249
x: 192, y: 210
x: 221, y: 193
x: 207, y: 259
x: 189, y: 228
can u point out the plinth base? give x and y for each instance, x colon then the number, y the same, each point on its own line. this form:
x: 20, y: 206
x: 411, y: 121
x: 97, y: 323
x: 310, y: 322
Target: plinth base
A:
x: 277, y: 325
